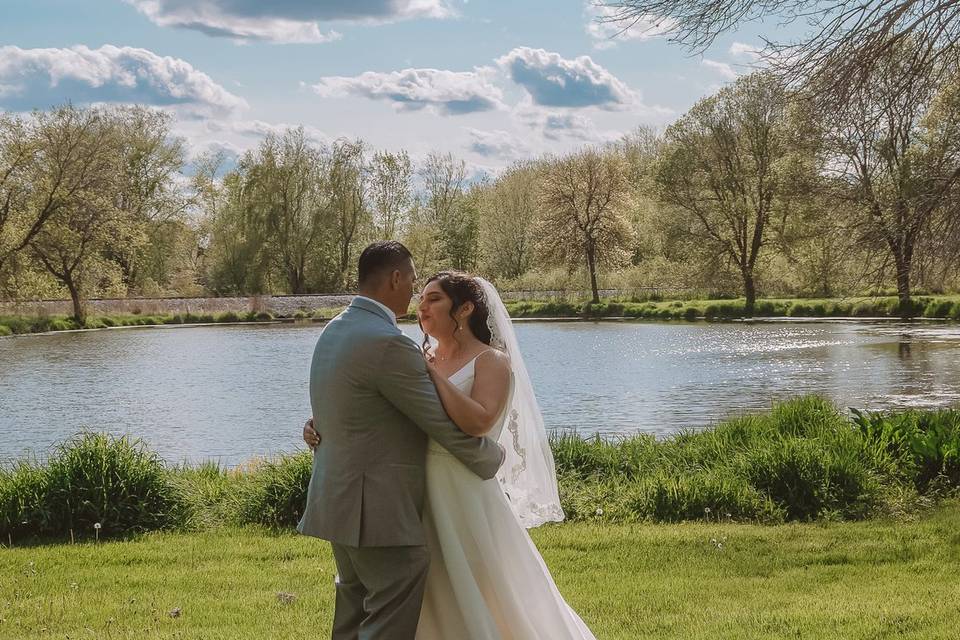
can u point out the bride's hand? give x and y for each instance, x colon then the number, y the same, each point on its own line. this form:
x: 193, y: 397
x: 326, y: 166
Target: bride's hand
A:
x: 431, y: 361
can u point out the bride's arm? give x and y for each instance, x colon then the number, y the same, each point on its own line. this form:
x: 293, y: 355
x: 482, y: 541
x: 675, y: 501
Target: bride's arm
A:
x: 476, y: 413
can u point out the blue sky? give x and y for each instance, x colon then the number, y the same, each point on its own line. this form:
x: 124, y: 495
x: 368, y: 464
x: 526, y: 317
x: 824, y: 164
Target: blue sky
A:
x: 490, y: 80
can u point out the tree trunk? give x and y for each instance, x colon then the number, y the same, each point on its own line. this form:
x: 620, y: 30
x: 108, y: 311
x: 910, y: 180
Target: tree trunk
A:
x: 903, y: 286
x: 749, y: 291
x: 79, y: 313
x: 592, y: 267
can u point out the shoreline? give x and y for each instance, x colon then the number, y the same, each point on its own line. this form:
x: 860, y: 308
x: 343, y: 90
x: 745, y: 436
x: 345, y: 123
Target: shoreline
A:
x: 518, y: 320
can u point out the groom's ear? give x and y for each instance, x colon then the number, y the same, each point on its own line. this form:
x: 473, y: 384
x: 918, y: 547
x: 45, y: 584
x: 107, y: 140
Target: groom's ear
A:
x: 395, y: 278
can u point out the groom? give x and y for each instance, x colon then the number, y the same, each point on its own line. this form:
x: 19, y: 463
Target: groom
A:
x: 374, y: 408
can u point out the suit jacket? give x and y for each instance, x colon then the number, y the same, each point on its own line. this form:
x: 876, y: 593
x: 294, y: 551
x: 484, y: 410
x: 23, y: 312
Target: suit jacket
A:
x: 374, y: 407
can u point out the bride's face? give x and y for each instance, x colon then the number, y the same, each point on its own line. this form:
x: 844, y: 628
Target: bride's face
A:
x: 434, y: 311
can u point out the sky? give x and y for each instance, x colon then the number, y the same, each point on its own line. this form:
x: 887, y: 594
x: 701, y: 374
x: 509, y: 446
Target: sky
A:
x: 491, y: 81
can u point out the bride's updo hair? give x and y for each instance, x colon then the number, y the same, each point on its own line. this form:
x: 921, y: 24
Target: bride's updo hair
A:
x: 462, y: 288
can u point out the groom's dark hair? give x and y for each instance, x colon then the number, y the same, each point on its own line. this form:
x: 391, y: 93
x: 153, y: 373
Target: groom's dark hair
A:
x: 381, y: 257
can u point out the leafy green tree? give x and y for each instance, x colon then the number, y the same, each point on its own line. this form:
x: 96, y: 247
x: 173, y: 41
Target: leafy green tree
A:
x: 723, y: 169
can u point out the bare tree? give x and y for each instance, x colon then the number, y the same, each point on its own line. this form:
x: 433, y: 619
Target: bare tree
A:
x: 844, y: 41
x: 720, y: 166
x: 894, y: 154
x: 584, y: 196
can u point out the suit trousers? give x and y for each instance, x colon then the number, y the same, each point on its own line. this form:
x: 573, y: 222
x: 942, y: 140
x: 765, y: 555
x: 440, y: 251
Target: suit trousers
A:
x: 379, y: 591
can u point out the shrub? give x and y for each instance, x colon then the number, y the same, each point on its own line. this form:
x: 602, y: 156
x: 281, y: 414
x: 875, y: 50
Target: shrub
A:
x: 808, y: 480
x: 674, y: 498
x: 276, y: 492
x: 228, y: 316
x: 938, y: 309
x: 5, y: 330
x: 98, y: 478
x: 263, y: 316
x: 22, y: 492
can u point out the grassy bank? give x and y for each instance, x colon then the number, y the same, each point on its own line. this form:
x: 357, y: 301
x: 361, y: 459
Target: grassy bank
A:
x: 852, y: 581
x: 942, y: 307
x: 945, y: 307
x: 16, y: 325
x: 802, y: 461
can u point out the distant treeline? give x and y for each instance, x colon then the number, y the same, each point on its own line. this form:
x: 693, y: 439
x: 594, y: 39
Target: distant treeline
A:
x: 752, y: 192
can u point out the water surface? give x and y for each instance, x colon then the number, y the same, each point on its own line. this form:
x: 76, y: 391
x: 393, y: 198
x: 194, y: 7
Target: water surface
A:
x: 231, y: 393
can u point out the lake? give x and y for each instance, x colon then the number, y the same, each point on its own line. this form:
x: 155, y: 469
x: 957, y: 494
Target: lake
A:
x: 232, y: 393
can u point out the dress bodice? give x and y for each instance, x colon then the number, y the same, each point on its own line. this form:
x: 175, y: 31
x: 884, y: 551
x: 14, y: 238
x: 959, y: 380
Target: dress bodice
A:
x: 462, y: 379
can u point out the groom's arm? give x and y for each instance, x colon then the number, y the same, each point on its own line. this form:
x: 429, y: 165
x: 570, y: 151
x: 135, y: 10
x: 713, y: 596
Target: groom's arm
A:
x: 404, y: 381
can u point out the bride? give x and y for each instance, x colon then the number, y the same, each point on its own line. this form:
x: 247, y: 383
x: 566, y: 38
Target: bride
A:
x: 486, y: 581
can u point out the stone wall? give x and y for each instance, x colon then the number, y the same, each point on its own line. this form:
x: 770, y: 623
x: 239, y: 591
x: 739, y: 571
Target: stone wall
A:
x: 277, y: 305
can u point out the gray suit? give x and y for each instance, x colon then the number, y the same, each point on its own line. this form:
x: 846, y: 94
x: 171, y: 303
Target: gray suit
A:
x: 374, y: 407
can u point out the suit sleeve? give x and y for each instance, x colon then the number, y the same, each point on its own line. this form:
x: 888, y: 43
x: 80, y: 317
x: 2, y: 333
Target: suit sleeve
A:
x: 404, y: 382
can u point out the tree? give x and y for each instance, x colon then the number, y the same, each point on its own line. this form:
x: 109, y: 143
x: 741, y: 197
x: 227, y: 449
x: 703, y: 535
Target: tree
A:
x: 45, y: 163
x: 148, y: 193
x: 894, y: 154
x: 584, y: 196
x: 723, y: 167
x: 71, y: 243
x: 233, y: 262
x: 845, y: 40
x: 507, y: 222
x: 390, y: 192
x: 348, y: 184
x: 285, y: 195
x: 448, y: 211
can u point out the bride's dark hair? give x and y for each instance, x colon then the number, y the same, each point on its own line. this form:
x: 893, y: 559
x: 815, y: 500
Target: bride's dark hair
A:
x: 462, y: 288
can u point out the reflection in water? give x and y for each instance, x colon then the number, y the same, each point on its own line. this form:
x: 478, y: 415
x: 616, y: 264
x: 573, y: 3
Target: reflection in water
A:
x: 232, y: 393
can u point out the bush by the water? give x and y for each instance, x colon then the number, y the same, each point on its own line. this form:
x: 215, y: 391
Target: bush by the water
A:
x: 804, y: 460
x: 275, y: 493
x: 92, y: 482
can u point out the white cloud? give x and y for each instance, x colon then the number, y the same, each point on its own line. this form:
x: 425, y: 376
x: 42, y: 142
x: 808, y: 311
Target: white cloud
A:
x: 283, y: 21
x: 722, y: 68
x: 554, y: 81
x: 500, y: 144
x: 607, y: 31
x: 41, y: 78
x: 446, y: 92
x: 743, y: 50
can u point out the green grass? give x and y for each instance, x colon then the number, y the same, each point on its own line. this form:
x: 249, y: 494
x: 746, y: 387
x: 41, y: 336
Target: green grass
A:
x: 947, y: 307
x: 16, y: 325
x: 866, y: 580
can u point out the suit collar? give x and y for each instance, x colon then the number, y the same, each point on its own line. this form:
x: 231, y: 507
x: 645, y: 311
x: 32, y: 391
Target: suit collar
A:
x: 371, y: 305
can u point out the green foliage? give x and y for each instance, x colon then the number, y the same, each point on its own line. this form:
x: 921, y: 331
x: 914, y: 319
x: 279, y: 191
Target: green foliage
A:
x: 801, y: 461
x: 925, y: 444
x: 93, y: 481
x: 276, y: 491
x: 5, y: 331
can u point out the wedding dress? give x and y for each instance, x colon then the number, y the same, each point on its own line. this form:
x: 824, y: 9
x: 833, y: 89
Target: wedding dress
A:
x: 487, y: 581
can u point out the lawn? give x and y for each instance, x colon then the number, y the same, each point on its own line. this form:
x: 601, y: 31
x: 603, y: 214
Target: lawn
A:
x: 854, y: 580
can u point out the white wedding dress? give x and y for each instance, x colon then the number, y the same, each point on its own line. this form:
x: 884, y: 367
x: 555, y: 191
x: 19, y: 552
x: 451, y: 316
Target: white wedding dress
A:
x: 487, y: 580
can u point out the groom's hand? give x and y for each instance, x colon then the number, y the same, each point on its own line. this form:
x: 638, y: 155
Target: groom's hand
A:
x: 310, y: 436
